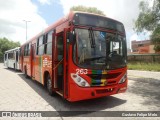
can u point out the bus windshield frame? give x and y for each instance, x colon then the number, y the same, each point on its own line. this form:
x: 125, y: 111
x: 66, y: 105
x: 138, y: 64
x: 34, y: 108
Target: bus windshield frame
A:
x: 99, y: 49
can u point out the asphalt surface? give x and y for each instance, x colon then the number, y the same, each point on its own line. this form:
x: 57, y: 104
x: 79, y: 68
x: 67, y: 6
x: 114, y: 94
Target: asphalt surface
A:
x: 20, y: 94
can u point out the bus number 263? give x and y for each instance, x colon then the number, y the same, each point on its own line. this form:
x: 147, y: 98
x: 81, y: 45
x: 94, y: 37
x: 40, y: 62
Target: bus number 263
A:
x: 81, y: 71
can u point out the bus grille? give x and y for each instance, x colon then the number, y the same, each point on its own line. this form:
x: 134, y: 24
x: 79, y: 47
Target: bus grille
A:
x: 103, y: 79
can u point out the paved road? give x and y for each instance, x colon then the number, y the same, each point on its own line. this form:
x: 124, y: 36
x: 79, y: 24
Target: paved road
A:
x: 20, y: 94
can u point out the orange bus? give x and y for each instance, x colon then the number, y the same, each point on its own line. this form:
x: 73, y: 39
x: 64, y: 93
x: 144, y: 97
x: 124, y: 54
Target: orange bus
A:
x: 82, y: 56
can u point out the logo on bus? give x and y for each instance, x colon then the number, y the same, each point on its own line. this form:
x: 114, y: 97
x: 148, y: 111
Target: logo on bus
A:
x: 47, y: 63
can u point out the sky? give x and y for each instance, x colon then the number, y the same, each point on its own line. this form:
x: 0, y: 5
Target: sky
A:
x: 42, y: 13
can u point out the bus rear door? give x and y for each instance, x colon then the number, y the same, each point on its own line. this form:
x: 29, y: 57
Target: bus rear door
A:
x: 33, y: 48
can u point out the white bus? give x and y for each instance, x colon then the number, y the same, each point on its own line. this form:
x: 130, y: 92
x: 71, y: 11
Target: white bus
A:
x: 11, y: 58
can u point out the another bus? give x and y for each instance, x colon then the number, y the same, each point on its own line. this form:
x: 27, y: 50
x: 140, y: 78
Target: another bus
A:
x: 11, y: 58
x: 81, y: 56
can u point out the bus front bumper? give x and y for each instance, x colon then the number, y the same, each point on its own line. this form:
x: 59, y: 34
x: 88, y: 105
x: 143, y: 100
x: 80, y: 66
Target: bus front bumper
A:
x: 79, y: 93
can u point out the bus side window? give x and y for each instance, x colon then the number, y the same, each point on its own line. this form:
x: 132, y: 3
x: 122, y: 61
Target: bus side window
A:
x: 17, y: 56
x: 48, y: 45
x: 27, y: 49
x: 40, y: 45
x: 10, y: 55
x: 20, y: 52
x: 24, y: 53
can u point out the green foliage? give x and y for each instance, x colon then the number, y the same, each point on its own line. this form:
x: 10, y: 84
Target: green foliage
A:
x: 149, y: 19
x: 156, y: 38
x: 5, y: 45
x: 144, y: 66
x: 87, y: 9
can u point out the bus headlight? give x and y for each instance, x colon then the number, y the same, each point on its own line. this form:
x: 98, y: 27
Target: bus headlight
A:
x: 79, y: 80
x: 123, y: 79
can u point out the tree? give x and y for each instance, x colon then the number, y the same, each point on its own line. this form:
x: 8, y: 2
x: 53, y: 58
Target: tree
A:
x: 87, y: 9
x: 5, y: 45
x: 149, y: 19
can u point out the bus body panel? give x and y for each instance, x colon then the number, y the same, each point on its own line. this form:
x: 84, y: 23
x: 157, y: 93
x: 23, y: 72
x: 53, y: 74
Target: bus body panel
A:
x: 77, y: 93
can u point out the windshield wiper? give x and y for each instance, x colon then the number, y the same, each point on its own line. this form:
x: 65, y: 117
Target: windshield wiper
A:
x: 92, y: 38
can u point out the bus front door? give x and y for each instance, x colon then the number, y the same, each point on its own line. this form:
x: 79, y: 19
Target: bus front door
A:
x: 58, y: 63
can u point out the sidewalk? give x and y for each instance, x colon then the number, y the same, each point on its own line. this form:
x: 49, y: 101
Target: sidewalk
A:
x: 144, y: 74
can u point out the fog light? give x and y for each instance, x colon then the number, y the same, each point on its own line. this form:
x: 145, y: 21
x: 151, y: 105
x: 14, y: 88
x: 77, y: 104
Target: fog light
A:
x: 124, y: 88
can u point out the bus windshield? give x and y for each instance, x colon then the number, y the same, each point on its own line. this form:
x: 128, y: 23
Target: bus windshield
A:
x: 99, y: 50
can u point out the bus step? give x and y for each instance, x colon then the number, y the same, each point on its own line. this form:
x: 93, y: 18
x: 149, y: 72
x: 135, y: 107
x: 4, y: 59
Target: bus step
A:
x: 60, y: 92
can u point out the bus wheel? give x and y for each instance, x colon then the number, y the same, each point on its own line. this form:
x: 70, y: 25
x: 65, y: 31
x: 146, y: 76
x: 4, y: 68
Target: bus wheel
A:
x: 49, y: 86
x: 14, y: 66
x: 25, y: 73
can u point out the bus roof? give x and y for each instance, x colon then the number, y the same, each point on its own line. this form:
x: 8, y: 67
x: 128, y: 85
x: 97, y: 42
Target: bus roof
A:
x: 68, y: 18
x: 17, y: 48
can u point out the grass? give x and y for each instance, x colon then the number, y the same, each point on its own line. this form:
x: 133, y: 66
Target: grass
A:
x: 144, y: 66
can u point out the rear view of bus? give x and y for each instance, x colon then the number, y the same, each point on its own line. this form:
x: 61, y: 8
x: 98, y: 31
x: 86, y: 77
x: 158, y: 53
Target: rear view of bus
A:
x: 97, y: 63
x: 11, y: 58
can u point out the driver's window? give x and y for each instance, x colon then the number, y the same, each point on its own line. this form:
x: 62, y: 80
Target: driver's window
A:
x: 116, y: 47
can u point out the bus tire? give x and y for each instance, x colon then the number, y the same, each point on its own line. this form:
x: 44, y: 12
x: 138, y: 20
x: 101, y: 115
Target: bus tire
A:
x: 25, y: 73
x: 14, y: 66
x: 49, y: 86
